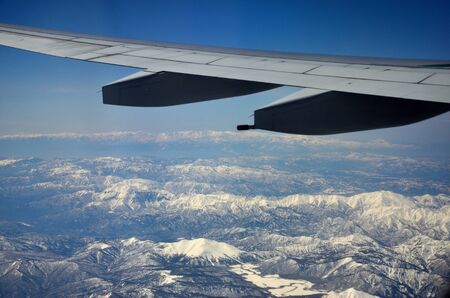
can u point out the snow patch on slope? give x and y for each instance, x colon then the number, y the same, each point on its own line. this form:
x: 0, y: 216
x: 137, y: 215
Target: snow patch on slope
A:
x: 168, y: 279
x: 130, y: 241
x: 98, y: 246
x: 349, y: 293
x: 7, y: 162
x: 69, y: 169
x: 277, y: 286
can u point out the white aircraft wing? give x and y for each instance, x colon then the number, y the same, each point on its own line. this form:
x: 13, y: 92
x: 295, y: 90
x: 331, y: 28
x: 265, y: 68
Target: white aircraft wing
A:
x: 340, y: 94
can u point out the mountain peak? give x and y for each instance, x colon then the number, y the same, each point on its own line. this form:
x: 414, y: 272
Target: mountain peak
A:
x: 202, y: 248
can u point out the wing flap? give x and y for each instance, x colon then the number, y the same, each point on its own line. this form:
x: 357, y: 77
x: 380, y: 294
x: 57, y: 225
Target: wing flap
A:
x: 166, y: 89
x: 321, y: 112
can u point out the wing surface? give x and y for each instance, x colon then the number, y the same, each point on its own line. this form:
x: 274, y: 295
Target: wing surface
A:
x: 173, y: 74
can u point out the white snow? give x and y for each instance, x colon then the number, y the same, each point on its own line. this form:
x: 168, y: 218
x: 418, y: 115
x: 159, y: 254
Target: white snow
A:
x: 375, y: 211
x: 69, y: 169
x: 277, y: 286
x: 98, y: 245
x: 342, y: 262
x: 47, y: 185
x: 168, y: 278
x: 25, y: 224
x: 105, y: 295
x: 129, y: 241
x: 145, y: 293
x: 349, y: 293
x: 202, y: 248
x: 123, y: 193
x: 7, y: 162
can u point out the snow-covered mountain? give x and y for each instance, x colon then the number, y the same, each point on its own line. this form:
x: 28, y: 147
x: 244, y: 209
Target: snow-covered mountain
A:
x: 211, y: 250
x: 129, y: 193
x: 245, y: 226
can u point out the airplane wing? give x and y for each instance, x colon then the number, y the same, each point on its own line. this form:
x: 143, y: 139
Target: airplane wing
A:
x: 340, y: 94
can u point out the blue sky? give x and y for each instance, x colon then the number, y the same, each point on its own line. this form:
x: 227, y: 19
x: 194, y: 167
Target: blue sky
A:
x: 47, y: 94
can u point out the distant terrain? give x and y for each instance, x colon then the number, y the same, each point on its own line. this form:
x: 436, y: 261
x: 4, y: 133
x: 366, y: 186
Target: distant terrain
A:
x: 198, y: 214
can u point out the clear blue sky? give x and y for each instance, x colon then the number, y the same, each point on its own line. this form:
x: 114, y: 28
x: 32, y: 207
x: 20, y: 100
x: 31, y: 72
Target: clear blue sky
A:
x: 41, y: 93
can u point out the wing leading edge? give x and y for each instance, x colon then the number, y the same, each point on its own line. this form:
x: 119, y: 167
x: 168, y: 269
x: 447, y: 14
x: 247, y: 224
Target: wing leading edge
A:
x: 341, y: 94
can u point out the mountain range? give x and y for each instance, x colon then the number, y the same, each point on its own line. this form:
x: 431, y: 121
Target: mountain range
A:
x: 325, y: 223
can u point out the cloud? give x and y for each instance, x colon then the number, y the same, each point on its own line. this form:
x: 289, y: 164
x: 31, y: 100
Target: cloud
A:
x: 209, y: 136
